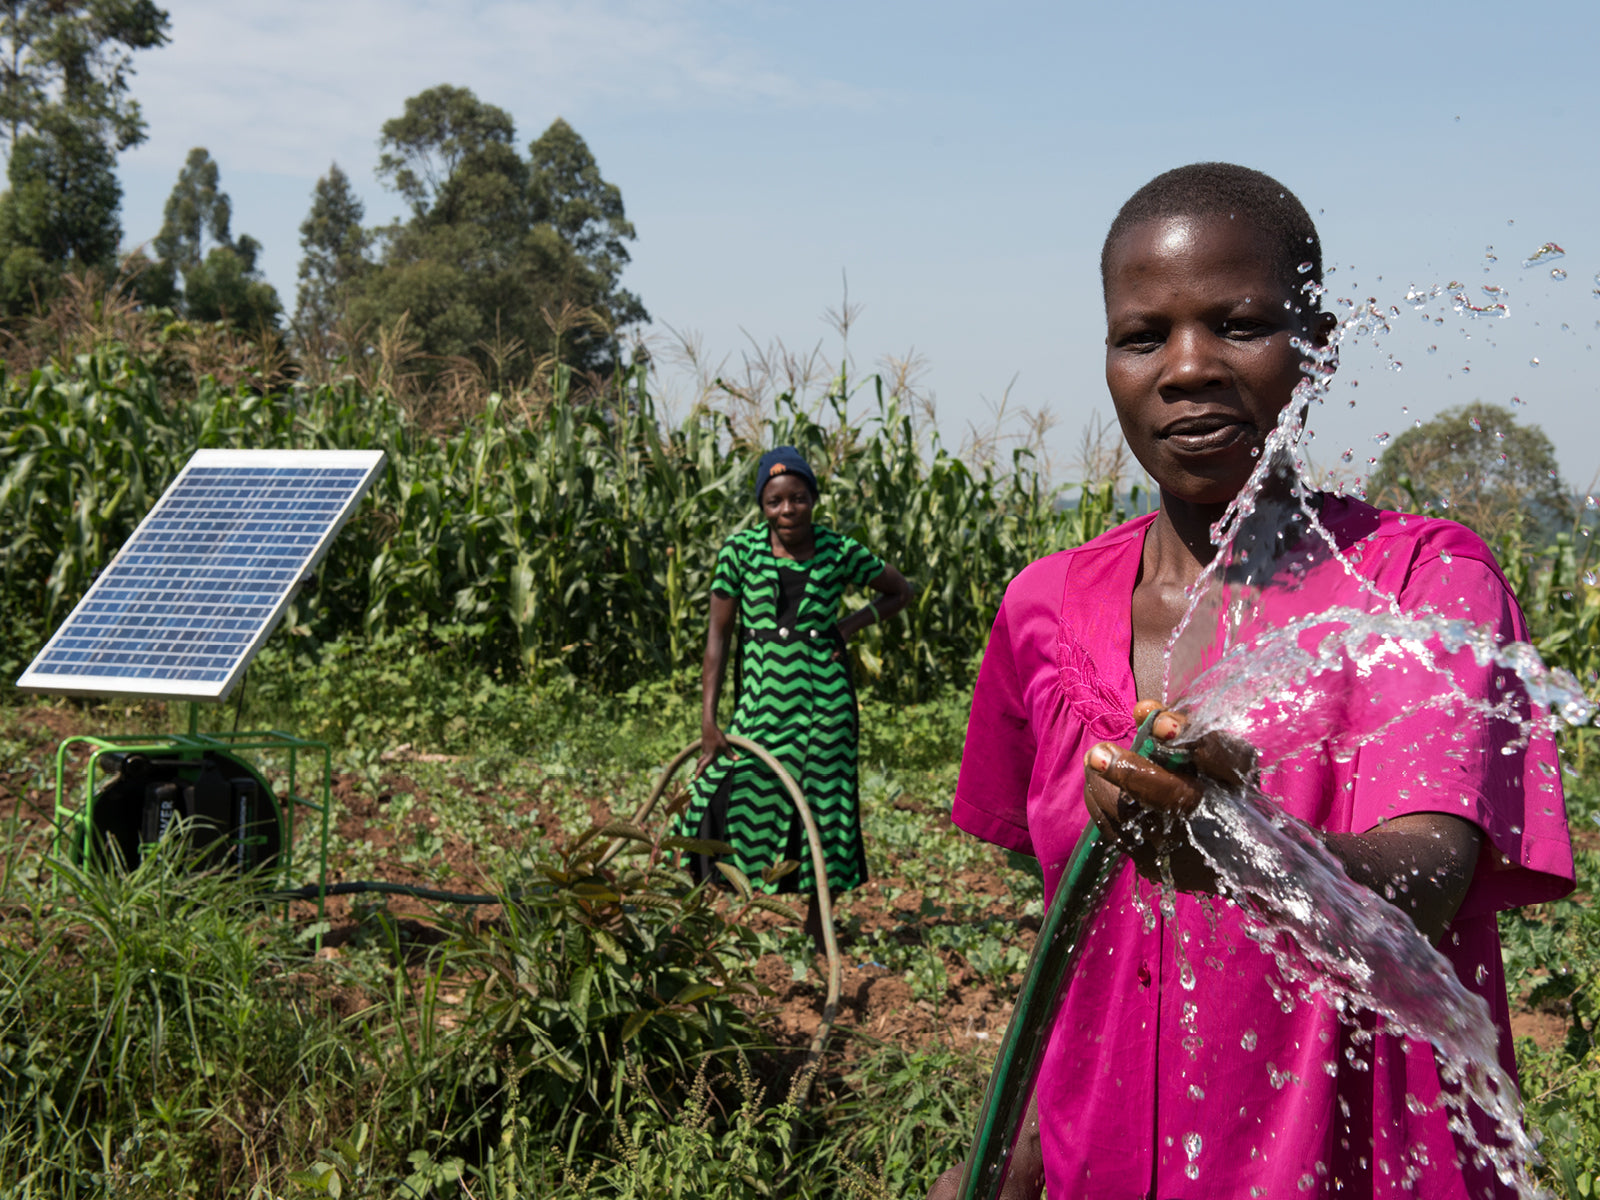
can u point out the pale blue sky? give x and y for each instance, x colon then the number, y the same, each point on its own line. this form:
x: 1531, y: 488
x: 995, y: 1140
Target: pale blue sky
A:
x: 961, y: 163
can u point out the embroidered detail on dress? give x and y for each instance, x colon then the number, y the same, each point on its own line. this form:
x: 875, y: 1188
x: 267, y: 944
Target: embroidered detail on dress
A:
x: 1091, y: 699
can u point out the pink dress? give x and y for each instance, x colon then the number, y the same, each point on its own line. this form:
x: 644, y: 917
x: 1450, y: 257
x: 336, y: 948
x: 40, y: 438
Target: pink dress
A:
x: 1151, y: 1089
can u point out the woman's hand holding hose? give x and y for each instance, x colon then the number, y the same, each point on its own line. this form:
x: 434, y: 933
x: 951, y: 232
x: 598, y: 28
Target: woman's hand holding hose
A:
x: 1135, y: 799
x: 713, y: 744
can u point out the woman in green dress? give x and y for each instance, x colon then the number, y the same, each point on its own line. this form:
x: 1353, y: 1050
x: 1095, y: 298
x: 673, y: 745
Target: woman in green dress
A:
x: 782, y: 582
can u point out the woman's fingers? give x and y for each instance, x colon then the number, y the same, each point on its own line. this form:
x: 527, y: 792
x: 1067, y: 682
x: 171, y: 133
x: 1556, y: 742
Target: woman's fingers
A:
x: 1148, y: 784
x: 710, y: 749
x: 1104, y: 803
x: 1219, y: 755
x: 1225, y: 757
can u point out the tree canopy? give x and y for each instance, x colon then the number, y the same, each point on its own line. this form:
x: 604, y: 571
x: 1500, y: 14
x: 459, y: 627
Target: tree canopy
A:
x: 60, y: 212
x: 202, y: 271
x: 333, y: 254
x: 1476, y: 465
x: 499, y: 250
x: 65, y: 112
x: 73, y: 59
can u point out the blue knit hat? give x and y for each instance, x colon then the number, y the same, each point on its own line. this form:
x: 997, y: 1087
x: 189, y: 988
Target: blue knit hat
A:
x: 783, y: 460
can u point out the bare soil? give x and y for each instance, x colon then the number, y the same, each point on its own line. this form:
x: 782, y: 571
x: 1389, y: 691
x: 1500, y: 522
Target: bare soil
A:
x: 874, y: 1001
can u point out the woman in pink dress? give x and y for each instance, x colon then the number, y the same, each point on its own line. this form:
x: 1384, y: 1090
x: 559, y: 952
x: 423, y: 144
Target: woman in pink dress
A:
x: 1182, y: 1064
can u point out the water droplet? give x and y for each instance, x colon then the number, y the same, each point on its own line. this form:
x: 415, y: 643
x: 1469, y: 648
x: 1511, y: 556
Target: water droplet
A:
x: 1433, y: 349
x: 1557, y: 274
x: 1591, y: 503
x: 1248, y: 1041
x: 1477, y: 425
x: 1548, y: 252
x: 1518, y: 402
x: 1308, y: 1180
x: 1348, y: 455
x: 1591, y: 578
x: 1534, y: 361
x: 1381, y: 438
x: 1445, y: 557
x: 1196, y: 1092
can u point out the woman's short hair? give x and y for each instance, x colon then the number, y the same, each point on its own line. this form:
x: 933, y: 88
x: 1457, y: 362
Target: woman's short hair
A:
x: 1211, y: 188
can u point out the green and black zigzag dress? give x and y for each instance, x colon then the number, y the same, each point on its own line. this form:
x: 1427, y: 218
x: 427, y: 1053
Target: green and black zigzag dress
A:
x: 797, y: 702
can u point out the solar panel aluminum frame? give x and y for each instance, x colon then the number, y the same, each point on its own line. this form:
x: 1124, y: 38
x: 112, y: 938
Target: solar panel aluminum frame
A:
x: 39, y: 678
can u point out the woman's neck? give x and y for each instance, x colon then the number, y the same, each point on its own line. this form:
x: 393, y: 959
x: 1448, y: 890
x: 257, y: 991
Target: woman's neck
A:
x: 1179, y: 546
x: 799, y: 549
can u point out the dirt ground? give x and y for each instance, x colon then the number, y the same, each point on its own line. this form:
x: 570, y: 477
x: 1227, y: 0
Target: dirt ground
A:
x: 874, y: 1001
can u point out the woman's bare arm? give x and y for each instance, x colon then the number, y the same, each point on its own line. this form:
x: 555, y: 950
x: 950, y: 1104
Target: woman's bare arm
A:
x: 713, y: 669
x: 1421, y: 862
x: 897, y: 592
x: 1024, y: 1181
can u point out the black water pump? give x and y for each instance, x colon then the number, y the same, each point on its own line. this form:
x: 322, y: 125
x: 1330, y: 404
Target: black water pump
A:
x: 232, y: 815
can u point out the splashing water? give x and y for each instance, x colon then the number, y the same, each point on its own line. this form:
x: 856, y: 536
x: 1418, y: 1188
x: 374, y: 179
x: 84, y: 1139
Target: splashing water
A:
x: 1546, y: 253
x: 1330, y: 940
x: 1239, y: 670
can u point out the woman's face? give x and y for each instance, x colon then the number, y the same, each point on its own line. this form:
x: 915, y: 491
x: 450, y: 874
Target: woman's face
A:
x: 786, y: 504
x: 1198, y: 358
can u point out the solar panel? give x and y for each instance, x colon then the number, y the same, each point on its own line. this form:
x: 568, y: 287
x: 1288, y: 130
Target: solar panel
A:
x: 206, y: 576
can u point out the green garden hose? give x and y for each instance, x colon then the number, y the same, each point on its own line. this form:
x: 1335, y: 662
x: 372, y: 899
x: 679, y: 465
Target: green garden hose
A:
x: 358, y: 887
x: 1017, y: 1068
x: 1055, y: 956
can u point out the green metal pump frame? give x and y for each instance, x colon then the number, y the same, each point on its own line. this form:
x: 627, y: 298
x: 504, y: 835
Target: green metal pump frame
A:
x: 74, y: 826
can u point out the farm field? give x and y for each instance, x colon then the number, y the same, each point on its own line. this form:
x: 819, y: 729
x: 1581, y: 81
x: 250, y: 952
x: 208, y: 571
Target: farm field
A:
x: 933, y: 947
x: 502, y: 650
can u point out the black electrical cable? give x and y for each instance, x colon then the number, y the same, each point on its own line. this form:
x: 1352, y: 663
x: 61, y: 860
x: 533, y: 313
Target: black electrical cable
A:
x: 824, y: 900
x: 358, y: 887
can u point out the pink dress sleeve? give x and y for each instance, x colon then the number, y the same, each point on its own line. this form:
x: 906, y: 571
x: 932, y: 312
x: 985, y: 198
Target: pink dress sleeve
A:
x: 991, y: 800
x: 1455, y: 743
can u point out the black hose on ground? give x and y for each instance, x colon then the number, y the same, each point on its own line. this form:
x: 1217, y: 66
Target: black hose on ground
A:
x: 830, y: 941
x: 357, y: 887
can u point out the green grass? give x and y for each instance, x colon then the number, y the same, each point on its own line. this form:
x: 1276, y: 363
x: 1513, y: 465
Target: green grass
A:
x: 1552, y: 958
x: 162, y: 1034
x: 535, y: 1055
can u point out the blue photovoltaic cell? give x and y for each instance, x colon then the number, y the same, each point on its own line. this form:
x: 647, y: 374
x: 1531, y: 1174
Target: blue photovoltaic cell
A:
x: 204, y: 576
